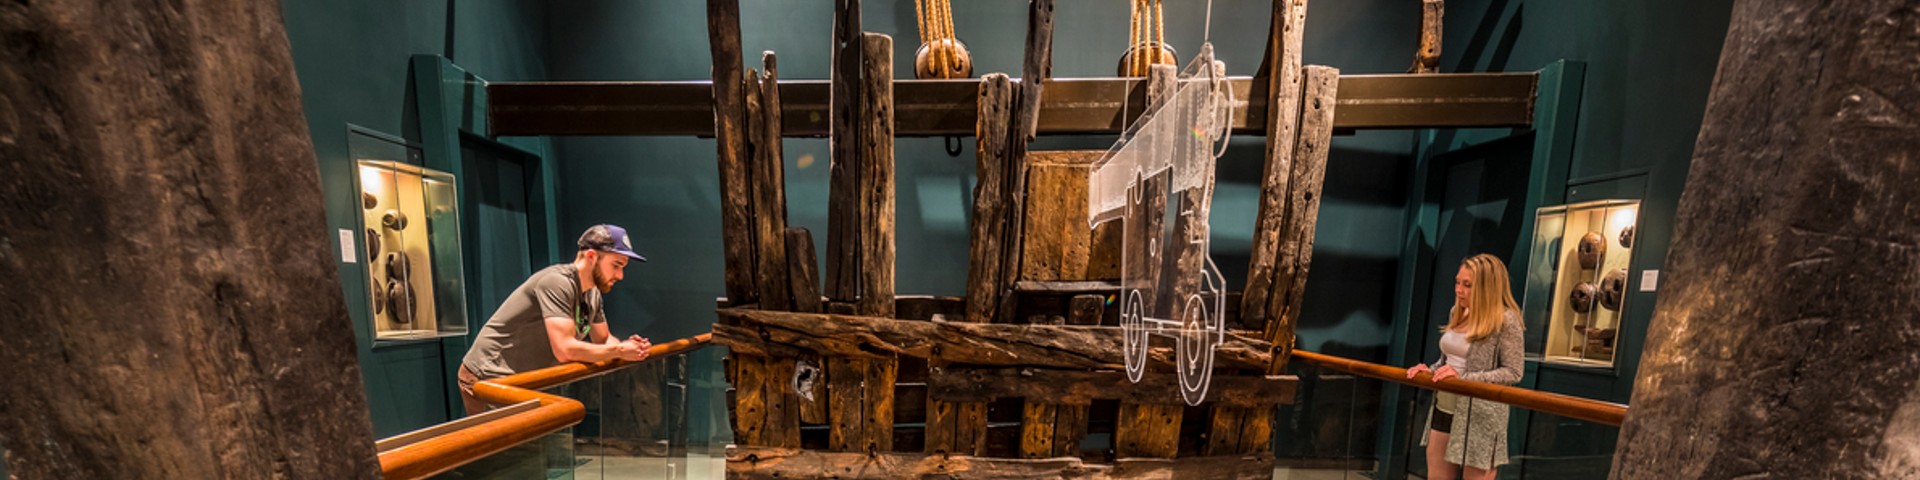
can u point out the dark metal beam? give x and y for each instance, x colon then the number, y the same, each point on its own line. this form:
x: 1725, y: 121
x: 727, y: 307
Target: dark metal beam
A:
x: 946, y: 107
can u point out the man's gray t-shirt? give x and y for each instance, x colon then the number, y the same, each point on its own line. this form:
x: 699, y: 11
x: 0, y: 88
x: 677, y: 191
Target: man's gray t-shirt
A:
x: 515, y: 339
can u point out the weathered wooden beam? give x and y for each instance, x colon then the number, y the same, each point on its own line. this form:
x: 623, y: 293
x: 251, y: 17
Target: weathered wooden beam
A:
x: 973, y: 384
x: 1048, y: 346
x: 944, y: 108
x: 1022, y: 128
x: 988, y: 228
x: 783, y: 404
x: 843, y: 209
x: 803, y: 270
x: 1148, y: 430
x: 1303, y: 211
x: 1037, y: 429
x: 729, y: 129
x: 1427, y: 59
x: 796, y: 464
x: 1057, y: 244
x: 769, y: 187
x: 877, y: 399
x: 749, y: 398
x: 876, y: 177
x: 1283, y: 120
x: 846, y: 409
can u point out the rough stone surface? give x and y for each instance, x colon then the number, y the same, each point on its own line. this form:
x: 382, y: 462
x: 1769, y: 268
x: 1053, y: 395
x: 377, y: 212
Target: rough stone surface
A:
x: 167, y: 280
x: 1785, y: 343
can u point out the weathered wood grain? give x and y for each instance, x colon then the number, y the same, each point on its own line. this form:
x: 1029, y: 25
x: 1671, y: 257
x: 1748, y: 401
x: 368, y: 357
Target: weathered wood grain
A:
x: 1034, y: 72
x: 730, y: 135
x: 846, y: 408
x: 768, y: 189
x: 1148, y: 430
x: 782, y: 427
x: 791, y: 464
x: 1303, y: 211
x: 1054, y: 386
x: 1283, y: 81
x: 1058, y: 242
x: 876, y: 177
x: 988, y: 228
x: 803, y: 270
x: 1427, y: 58
x: 1046, y: 346
x: 843, y: 197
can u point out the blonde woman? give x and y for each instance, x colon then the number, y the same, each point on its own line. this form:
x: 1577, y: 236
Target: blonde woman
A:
x: 1483, y: 342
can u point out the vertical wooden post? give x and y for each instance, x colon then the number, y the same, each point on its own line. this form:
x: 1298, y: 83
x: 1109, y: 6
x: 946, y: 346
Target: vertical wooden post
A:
x: 803, y: 270
x: 769, y: 188
x: 988, y: 230
x: 876, y: 177
x: 782, y: 428
x: 1427, y: 59
x: 1034, y: 72
x: 1303, y: 210
x: 846, y: 410
x: 843, y: 206
x: 729, y: 120
x: 1282, y: 79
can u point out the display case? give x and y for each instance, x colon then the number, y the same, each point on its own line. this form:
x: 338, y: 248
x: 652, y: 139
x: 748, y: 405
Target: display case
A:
x: 410, y: 225
x: 1577, y: 280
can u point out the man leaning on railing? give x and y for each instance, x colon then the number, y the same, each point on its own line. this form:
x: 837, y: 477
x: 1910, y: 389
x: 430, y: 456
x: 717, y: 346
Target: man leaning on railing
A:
x: 556, y: 316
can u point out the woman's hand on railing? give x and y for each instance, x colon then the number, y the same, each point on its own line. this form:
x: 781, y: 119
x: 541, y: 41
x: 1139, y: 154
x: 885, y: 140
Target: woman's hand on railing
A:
x: 1419, y: 369
x: 1445, y: 372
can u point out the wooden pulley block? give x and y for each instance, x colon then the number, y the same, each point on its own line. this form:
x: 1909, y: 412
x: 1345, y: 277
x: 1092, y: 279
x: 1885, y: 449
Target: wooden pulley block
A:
x: 1165, y: 55
x: 943, y: 58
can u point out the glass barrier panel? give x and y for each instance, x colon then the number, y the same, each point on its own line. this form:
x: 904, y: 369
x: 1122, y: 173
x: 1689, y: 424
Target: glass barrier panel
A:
x: 549, y: 457
x: 1332, y: 428
x: 652, y: 420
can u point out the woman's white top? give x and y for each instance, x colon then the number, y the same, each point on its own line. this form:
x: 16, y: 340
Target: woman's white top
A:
x: 1454, y: 345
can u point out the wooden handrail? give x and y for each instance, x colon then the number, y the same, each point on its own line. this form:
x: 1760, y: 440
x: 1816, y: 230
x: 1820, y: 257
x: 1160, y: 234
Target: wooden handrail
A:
x: 435, y: 455
x: 1596, y: 411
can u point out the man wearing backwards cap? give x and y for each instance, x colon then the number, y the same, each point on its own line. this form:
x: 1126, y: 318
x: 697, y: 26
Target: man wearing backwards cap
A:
x: 556, y: 316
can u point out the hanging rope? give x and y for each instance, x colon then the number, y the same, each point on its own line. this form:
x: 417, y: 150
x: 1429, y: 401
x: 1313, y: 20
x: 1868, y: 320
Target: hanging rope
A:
x: 1146, y: 38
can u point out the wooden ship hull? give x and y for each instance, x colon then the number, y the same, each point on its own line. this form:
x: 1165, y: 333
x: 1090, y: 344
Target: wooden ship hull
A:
x: 840, y: 377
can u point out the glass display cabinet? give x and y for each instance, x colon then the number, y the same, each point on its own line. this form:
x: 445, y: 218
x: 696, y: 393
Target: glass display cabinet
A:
x: 410, y: 226
x: 1578, y: 280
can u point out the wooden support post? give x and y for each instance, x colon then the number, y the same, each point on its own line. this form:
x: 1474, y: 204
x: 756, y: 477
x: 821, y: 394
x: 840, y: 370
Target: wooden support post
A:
x: 815, y: 411
x: 846, y: 409
x: 782, y: 428
x: 843, y: 198
x: 803, y: 270
x: 1057, y: 241
x: 1427, y: 59
x: 1034, y: 72
x: 877, y: 395
x: 988, y: 230
x: 1282, y: 78
x: 876, y: 177
x: 1148, y: 430
x: 769, y: 188
x: 1303, y: 210
x: 159, y: 157
x: 749, y: 399
x: 729, y: 132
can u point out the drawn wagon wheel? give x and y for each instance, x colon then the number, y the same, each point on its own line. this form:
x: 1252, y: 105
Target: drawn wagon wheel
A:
x: 1193, y: 357
x: 1133, y: 330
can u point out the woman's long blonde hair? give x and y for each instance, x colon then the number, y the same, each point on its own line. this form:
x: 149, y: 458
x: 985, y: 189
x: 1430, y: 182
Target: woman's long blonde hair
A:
x: 1488, y: 302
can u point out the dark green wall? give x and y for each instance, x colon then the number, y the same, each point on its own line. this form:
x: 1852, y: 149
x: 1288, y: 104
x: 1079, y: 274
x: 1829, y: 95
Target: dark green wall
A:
x: 1648, y: 67
x: 352, y: 60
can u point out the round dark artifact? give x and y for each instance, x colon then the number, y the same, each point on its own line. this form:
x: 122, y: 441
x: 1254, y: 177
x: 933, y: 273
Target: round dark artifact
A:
x: 379, y: 298
x: 398, y: 267
x: 368, y: 201
x: 1157, y: 54
x: 1626, y: 237
x: 1592, y: 247
x: 944, y: 58
x: 1581, y: 298
x: 373, y: 244
x: 1613, y: 288
x: 401, y: 296
x: 394, y: 220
